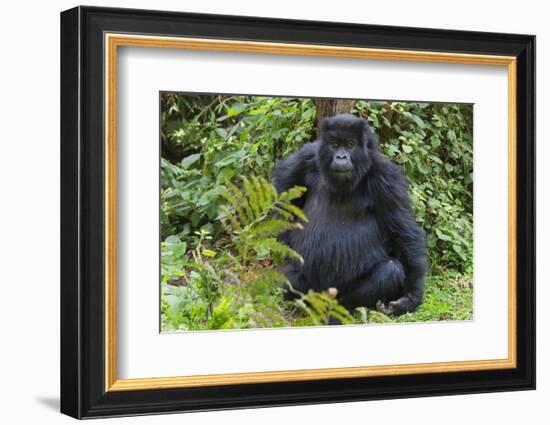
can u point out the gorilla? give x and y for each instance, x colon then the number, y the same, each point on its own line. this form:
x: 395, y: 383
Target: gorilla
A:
x: 361, y: 237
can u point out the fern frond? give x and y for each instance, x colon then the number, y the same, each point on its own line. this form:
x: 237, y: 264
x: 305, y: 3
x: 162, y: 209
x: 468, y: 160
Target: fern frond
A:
x: 342, y: 314
x: 269, y: 193
x: 321, y: 307
x: 293, y: 209
x: 293, y: 193
x: 274, y: 194
x: 267, y: 282
x: 279, y: 249
x: 270, y: 276
x: 233, y: 196
x: 244, y: 199
x: 318, y: 302
x: 271, y: 228
x: 252, y: 196
x: 311, y: 313
x: 377, y: 317
x: 230, y: 217
x: 285, y: 214
x: 258, y: 188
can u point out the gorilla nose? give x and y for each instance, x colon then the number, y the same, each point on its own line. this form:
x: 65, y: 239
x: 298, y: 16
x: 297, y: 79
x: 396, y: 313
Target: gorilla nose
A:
x: 341, y: 156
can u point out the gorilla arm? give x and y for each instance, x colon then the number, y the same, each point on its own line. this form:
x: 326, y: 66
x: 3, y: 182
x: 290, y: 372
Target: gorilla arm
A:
x: 296, y: 170
x: 407, y: 239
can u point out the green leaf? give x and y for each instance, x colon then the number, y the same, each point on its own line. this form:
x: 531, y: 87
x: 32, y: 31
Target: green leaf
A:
x: 423, y: 169
x: 172, y: 239
x: 418, y: 121
x: 190, y: 160
x: 435, y: 159
x: 236, y: 109
x: 208, y: 253
x: 435, y: 141
x: 221, y: 132
x: 442, y: 236
x: 195, y: 218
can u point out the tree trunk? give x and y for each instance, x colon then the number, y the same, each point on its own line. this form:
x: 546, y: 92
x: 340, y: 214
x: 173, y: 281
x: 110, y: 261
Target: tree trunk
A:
x: 329, y: 107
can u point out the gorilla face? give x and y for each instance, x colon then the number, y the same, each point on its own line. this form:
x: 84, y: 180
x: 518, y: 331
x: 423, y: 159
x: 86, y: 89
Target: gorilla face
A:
x: 341, y: 149
x: 344, y: 151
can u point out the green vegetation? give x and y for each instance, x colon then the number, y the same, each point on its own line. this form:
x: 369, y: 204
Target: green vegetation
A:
x: 220, y: 254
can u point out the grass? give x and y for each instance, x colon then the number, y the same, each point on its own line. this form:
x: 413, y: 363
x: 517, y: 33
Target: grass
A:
x: 447, y: 296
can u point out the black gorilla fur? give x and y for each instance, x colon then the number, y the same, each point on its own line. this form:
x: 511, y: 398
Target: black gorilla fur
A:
x: 362, y: 237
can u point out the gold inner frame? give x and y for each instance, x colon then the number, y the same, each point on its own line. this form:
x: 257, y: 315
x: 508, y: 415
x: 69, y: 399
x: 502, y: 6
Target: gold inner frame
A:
x: 113, y: 41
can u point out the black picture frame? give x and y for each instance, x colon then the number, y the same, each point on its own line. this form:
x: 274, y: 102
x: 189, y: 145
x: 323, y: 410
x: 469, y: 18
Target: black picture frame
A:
x: 83, y: 392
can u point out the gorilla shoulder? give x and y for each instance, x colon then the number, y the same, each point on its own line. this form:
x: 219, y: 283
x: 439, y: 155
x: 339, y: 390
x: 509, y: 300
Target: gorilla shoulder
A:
x: 388, y: 181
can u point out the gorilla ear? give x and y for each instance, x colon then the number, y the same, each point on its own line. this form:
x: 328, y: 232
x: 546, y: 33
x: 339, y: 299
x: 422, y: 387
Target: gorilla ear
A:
x: 370, y: 139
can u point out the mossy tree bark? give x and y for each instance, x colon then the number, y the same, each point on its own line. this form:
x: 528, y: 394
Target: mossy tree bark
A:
x: 329, y: 107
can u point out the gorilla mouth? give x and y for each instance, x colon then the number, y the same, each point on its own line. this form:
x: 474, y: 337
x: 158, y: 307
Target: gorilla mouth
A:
x: 342, y: 172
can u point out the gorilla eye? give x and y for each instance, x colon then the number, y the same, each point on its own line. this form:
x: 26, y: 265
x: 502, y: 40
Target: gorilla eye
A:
x: 350, y: 144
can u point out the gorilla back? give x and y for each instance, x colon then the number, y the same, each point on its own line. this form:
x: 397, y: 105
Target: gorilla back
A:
x: 361, y: 237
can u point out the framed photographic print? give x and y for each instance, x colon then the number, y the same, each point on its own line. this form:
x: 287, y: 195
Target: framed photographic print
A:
x: 261, y: 212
